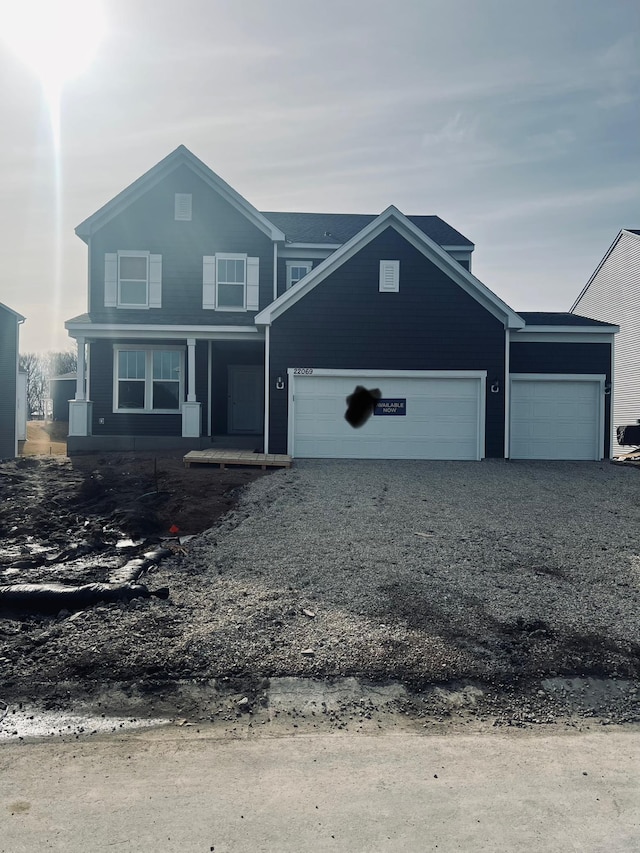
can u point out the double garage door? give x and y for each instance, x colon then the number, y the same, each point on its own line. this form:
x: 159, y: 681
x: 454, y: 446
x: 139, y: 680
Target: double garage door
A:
x: 557, y: 416
x: 434, y: 415
x: 441, y: 415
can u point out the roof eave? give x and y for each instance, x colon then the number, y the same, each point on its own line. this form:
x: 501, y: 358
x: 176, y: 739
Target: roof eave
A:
x: 575, y: 330
x: 16, y: 314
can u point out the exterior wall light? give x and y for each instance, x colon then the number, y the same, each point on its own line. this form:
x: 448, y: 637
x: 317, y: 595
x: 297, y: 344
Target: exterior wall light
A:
x: 279, y: 383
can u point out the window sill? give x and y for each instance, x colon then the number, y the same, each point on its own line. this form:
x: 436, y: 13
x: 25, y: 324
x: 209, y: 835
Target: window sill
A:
x: 236, y: 310
x: 132, y: 307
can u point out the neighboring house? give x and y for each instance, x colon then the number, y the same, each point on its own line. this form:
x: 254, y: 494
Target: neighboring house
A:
x: 10, y: 415
x: 212, y: 323
x: 62, y: 388
x: 612, y: 294
x: 21, y: 406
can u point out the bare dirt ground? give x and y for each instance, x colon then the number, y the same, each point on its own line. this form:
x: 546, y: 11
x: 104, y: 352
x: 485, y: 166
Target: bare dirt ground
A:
x: 79, y: 520
x: 45, y: 438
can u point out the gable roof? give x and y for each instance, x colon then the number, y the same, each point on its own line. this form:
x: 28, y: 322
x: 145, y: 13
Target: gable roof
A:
x: 333, y: 229
x: 18, y: 317
x: 392, y: 217
x: 634, y: 233
x: 180, y: 157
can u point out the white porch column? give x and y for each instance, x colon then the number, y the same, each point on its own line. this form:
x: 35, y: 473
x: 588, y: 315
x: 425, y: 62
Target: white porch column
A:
x: 80, y: 409
x: 80, y: 370
x: 191, y: 409
x: 191, y: 371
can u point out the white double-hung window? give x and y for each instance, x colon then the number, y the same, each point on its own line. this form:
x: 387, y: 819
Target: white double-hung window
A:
x: 148, y: 380
x: 230, y: 282
x: 133, y: 280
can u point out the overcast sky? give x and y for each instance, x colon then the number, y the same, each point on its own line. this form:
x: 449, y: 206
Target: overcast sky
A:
x: 516, y: 122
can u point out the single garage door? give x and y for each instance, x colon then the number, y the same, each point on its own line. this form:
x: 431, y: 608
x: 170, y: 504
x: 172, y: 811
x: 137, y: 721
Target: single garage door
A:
x: 557, y: 417
x: 426, y: 415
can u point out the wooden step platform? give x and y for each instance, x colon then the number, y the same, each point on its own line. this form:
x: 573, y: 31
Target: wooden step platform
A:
x: 237, y: 457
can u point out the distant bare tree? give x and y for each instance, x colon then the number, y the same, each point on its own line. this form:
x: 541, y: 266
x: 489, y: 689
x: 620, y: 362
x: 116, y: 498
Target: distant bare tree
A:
x: 60, y: 363
x: 40, y: 367
x: 37, y: 385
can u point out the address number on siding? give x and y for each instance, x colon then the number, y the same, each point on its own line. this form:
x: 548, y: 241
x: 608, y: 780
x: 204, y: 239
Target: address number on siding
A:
x: 302, y: 371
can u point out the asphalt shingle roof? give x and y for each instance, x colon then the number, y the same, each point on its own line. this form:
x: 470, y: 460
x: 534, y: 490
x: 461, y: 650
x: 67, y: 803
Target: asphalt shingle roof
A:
x: 558, y: 318
x: 340, y: 227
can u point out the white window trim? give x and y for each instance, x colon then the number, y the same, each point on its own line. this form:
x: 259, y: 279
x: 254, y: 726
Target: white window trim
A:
x: 290, y: 264
x: 231, y: 256
x: 148, y: 379
x: 182, y: 204
x: 132, y: 254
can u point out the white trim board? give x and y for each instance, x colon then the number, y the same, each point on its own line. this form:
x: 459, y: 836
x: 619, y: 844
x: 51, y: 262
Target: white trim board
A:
x: 560, y: 377
x: 403, y: 374
x: 101, y: 331
x: 561, y: 338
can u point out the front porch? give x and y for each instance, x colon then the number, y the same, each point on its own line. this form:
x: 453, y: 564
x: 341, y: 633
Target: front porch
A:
x: 219, y: 401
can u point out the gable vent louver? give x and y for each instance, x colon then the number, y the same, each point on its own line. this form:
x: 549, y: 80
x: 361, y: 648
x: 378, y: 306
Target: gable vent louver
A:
x: 389, y: 277
x: 182, y: 207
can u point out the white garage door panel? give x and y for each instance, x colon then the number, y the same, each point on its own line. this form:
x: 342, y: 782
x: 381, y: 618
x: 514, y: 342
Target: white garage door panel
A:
x: 555, y: 419
x: 442, y: 420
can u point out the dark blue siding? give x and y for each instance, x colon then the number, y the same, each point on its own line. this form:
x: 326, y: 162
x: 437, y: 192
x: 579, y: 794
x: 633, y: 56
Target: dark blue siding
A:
x: 62, y: 390
x: 8, y: 382
x: 225, y: 353
x: 530, y: 357
x: 431, y: 324
x: 148, y: 224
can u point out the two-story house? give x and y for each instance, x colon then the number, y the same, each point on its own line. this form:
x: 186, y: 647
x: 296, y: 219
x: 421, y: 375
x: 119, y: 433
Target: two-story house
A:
x: 211, y: 323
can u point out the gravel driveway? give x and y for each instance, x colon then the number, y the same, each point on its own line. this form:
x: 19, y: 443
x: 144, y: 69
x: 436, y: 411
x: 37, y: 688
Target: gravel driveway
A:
x: 518, y: 582
x: 430, y: 571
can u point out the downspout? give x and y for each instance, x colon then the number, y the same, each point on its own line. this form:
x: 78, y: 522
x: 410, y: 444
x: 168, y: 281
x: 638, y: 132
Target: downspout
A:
x: 15, y: 430
x: 612, y: 433
x: 507, y: 394
x: 209, y: 408
x: 266, y: 387
x: 275, y: 272
x: 89, y: 274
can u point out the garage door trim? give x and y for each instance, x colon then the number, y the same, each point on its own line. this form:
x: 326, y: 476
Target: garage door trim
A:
x: 305, y: 372
x: 599, y: 378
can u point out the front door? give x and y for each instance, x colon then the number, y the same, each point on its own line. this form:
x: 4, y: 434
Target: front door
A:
x: 245, y: 398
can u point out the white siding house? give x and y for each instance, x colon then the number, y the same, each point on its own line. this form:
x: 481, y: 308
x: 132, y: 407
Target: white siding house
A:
x: 612, y: 294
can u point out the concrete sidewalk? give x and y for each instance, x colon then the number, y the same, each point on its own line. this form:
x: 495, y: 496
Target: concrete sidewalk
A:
x: 173, y: 789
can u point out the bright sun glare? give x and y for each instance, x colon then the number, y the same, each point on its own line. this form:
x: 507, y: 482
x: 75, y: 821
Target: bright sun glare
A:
x: 56, y: 39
